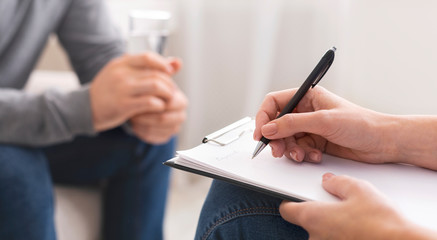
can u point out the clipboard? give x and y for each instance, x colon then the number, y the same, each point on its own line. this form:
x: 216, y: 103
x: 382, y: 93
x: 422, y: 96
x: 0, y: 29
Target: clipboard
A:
x: 226, y: 155
x: 223, y: 137
x: 172, y: 163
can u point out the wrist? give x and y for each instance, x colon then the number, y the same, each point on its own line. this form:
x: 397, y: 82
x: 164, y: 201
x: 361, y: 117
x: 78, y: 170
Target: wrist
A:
x: 100, y: 117
x: 397, y: 140
x: 387, y: 127
x: 411, y: 139
x: 411, y: 231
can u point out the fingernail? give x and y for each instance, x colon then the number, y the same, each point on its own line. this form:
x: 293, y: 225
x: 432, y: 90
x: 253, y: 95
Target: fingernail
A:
x: 270, y: 129
x: 327, y: 176
x: 274, y: 153
x: 314, y: 157
x: 293, y: 155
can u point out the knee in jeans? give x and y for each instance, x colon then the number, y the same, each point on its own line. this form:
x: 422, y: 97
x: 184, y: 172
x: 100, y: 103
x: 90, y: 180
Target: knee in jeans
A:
x: 15, y: 161
x: 157, y: 154
x: 24, y: 174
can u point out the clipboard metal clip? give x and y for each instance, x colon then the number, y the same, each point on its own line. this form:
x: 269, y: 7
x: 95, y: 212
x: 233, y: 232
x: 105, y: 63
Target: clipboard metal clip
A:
x: 229, y: 133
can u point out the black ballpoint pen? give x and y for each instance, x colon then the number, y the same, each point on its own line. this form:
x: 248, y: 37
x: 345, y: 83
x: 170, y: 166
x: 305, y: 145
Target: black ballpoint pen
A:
x: 312, y: 80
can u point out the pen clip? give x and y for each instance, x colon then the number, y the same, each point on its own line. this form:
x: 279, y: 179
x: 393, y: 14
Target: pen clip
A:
x: 326, y: 67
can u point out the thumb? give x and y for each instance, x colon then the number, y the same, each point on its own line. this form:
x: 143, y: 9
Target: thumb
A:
x: 292, y: 123
x: 294, y: 212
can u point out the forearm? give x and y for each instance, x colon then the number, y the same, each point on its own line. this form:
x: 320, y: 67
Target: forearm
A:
x: 41, y: 120
x: 412, y: 139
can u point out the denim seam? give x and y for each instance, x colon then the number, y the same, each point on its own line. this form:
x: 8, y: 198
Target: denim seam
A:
x: 241, y: 212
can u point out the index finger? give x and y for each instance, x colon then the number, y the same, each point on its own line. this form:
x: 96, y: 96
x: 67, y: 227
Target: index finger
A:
x: 153, y: 87
x: 178, y: 102
x: 273, y: 103
x: 147, y: 75
x: 149, y: 60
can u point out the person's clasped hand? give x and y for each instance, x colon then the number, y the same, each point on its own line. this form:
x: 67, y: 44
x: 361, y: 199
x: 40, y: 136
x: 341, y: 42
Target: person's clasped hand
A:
x: 139, y: 89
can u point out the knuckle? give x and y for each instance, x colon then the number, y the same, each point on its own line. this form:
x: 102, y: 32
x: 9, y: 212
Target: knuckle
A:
x: 154, y: 85
x: 148, y: 54
x: 319, y: 89
x: 162, y: 118
x: 129, y: 84
x: 150, y: 74
x: 260, y: 115
x: 270, y: 95
x: 150, y: 57
x: 119, y: 74
x: 274, y: 94
x: 157, y: 75
x: 149, y: 101
x: 323, y: 115
x: 288, y: 120
x: 124, y: 104
x: 326, y: 117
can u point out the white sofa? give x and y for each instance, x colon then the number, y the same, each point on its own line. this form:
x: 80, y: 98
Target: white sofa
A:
x: 77, y: 213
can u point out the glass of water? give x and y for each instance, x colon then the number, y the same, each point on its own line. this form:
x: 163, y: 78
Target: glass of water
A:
x: 148, y: 30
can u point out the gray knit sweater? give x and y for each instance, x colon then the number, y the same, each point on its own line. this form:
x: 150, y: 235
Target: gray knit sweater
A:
x: 90, y: 40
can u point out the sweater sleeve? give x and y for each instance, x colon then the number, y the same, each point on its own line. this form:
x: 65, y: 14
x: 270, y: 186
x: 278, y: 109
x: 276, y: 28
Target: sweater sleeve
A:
x: 89, y: 37
x: 44, y: 119
x: 91, y: 41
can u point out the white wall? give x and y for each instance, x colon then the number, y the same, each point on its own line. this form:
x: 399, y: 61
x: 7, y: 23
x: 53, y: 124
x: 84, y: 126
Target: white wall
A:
x: 390, y: 56
x: 237, y: 51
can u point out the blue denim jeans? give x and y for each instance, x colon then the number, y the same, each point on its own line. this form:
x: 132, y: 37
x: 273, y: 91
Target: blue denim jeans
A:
x: 135, y: 185
x: 231, y: 212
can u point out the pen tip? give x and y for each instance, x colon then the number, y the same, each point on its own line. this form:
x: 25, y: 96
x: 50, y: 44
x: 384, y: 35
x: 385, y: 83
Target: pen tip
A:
x: 258, y: 149
x: 334, y: 48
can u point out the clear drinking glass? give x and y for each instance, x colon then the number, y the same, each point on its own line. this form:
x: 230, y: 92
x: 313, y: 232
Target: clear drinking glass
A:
x: 148, y: 30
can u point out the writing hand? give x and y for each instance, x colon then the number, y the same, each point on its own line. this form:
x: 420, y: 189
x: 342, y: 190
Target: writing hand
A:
x: 322, y: 122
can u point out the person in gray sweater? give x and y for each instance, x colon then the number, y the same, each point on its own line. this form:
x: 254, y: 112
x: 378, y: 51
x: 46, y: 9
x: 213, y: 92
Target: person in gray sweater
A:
x: 77, y: 137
